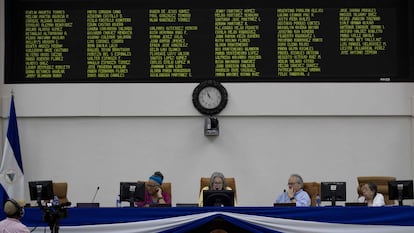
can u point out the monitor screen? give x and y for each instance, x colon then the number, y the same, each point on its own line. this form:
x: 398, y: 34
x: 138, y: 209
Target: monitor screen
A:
x: 400, y: 190
x: 333, y: 191
x: 132, y: 192
x: 218, y: 198
x: 41, y: 190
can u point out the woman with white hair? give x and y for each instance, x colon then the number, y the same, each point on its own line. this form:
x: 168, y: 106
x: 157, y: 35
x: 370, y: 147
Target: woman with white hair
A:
x: 371, y: 196
x: 217, y: 182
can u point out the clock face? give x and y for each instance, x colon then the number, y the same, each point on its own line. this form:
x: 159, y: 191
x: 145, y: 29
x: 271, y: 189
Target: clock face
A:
x: 210, y: 97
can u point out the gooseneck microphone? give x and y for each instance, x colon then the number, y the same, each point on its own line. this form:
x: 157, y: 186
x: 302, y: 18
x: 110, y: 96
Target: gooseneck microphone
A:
x: 96, y: 192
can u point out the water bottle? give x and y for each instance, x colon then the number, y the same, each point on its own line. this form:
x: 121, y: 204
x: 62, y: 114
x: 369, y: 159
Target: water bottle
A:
x: 318, y: 200
x: 55, y: 200
x: 118, y: 201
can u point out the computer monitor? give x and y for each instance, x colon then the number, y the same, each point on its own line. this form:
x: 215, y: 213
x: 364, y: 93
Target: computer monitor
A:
x: 333, y: 191
x: 132, y: 192
x: 400, y: 190
x: 41, y: 190
x: 218, y: 198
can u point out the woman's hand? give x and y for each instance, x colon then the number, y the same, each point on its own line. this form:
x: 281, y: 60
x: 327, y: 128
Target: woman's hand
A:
x: 160, y: 196
x: 159, y: 192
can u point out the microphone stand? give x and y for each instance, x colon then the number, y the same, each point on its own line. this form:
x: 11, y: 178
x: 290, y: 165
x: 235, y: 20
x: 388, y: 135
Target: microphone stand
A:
x: 96, y: 192
x: 54, y: 224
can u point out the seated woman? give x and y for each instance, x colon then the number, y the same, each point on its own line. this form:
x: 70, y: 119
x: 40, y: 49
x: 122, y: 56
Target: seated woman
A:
x: 371, y: 196
x: 154, y: 193
x: 217, y: 182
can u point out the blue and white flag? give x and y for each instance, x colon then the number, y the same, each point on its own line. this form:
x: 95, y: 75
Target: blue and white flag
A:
x: 11, y: 170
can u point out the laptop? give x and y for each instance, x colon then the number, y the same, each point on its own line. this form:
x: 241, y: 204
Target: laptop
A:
x: 87, y: 205
x: 356, y: 204
x: 186, y: 205
x: 284, y: 204
x: 159, y: 205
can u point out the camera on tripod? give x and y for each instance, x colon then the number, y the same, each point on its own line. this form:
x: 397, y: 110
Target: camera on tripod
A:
x: 52, y: 211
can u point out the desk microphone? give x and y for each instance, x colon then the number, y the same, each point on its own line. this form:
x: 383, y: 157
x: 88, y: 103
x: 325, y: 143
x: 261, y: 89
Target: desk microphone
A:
x: 96, y: 192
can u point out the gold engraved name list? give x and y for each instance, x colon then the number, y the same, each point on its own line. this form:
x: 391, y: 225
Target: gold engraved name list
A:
x: 235, y: 29
x: 169, y: 52
x: 45, y: 32
x: 296, y: 29
x: 360, y: 33
x: 106, y: 31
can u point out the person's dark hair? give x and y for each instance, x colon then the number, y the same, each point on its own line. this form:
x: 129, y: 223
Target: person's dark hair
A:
x: 158, y: 173
x: 373, y: 187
